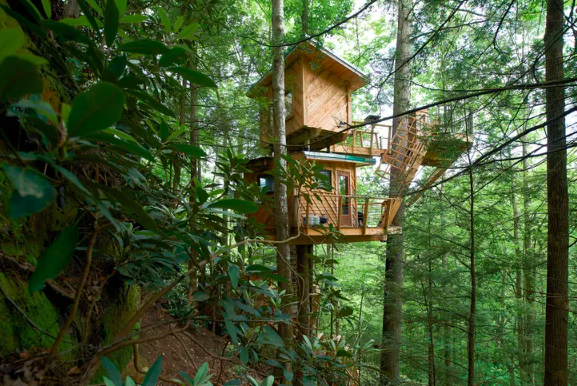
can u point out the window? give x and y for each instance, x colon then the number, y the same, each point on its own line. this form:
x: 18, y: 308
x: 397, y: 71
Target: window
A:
x: 288, y: 104
x: 325, y: 179
x: 266, y: 181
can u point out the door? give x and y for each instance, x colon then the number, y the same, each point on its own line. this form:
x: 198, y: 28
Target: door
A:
x: 344, y: 179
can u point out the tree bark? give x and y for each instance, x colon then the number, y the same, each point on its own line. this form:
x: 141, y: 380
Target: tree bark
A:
x: 304, y: 289
x: 392, y: 309
x: 280, y: 189
x: 557, y: 303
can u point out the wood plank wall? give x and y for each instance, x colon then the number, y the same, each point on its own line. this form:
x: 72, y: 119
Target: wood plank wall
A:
x: 326, y: 96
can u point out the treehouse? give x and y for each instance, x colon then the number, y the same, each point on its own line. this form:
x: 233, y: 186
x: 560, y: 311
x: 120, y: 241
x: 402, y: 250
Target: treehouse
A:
x: 320, y: 128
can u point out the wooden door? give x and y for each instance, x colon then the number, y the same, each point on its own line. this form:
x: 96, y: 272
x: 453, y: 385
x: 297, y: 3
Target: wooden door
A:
x: 344, y: 186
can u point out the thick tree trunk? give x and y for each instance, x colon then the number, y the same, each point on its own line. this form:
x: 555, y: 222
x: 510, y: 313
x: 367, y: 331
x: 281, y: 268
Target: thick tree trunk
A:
x: 392, y: 310
x: 528, y: 280
x: 280, y: 189
x: 304, y: 289
x: 556, y: 313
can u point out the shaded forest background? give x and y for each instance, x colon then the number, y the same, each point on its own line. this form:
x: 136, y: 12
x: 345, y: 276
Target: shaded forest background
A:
x: 125, y: 133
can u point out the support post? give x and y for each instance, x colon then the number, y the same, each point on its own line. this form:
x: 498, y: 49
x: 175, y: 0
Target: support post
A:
x: 340, y: 212
x: 365, y: 216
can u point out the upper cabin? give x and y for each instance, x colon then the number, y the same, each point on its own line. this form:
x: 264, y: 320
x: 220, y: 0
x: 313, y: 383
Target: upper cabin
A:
x: 318, y: 87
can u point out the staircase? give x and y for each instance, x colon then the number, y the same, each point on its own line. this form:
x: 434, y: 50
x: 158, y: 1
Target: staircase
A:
x: 403, y: 158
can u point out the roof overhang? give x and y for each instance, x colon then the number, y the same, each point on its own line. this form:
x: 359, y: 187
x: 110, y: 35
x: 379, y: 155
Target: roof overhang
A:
x: 332, y: 157
x: 323, y: 58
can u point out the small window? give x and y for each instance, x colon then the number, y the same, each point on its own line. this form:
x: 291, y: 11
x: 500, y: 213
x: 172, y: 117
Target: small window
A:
x: 288, y: 104
x: 266, y: 181
x: 325, y: 180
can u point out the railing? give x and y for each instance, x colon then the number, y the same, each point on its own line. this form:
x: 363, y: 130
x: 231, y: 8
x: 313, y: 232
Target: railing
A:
x: 373, y: 138
x: 342, y: 211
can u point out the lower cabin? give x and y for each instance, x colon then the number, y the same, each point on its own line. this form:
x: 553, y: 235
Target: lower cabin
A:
x: 356, y: 218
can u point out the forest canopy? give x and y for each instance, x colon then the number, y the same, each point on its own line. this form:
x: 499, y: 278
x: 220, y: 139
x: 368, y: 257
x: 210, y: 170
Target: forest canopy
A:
x: 216, y: 192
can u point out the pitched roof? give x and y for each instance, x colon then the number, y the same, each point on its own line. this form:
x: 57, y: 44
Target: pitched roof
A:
x: 323, y: 58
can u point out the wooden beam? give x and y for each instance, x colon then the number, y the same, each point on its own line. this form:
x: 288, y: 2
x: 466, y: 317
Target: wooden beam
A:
x: 340, y: 212
x: 365, y: 215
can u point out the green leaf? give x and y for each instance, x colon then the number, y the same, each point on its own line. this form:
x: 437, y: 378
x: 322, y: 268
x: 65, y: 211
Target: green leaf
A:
x: 34, y: 12
x: 54, y: 258
x: 176, y: 54
x: 121, y: 134
x: 188, y: 31
x: 194, y: 76
x: 96, y: 24
x: 178, y: 23
x: 133, y: 19
x: 273, y: 337
x: 129, y: 205
x: 200, y: 296
x: 200, y: 374
x: 36, y: 60
x: 129, y: 382
x: 112, y: 371
x: 345, y: 311
x: 111, y: 22
x: 96, y: 7
x: 152, y: 375
x: 201, y: 194
x: 243, y: 356
x: 149, y: 100
x: 231, y: 329
x: 344, y: 353
x: 121, y: 5
x: 71, y: 177
x: 268, y: 381
x: 193, y: 151
x: 164, y: 129
x: 117, y: 66
x: 18, y: 77
x: 65, y: 31
x: 234, y: 274
x: 165, y: 20
x: 40, y: 107
x: 238, y: 205
x: 234, y: 382
x: 47, y: 9
x: 81, y: 21
x: 95, y: 109
x: 11, y: 39
x: 108, y: 382
x: 33, y: 193
x: 145, y: 47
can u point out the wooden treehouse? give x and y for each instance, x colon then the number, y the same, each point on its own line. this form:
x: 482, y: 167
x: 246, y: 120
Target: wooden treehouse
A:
x: 318, y: 101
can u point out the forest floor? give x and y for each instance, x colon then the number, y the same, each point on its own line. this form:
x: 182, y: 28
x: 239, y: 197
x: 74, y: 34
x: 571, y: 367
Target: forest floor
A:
x: 180, y: 352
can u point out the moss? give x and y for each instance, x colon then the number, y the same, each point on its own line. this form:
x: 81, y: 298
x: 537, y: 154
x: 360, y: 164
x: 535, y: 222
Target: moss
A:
x: 15, y: 332
x: 118, y: 312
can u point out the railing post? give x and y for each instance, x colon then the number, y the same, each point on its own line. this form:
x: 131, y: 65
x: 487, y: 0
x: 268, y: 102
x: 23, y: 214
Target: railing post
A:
x: 307, y: 219
x: 365, y: 216
x: 340, y: 212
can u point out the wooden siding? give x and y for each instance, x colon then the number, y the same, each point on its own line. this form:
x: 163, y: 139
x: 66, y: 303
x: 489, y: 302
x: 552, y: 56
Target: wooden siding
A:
x: 326, y: 97
x: 295, y: 119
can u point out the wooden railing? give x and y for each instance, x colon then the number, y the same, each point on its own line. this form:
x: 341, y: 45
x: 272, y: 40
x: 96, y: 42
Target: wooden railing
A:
x: 342, y: 211
x: 370, y: 137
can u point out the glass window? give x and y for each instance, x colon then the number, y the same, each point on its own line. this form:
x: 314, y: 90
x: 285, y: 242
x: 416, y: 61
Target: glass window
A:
x: 266, y: 181
x: 325, y: 181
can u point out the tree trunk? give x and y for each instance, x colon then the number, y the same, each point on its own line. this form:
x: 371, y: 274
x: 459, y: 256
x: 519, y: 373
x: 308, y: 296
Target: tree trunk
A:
x: 392, y: 309
x: 473, y: 274
x: 280, y: 189
x: 305, y: 18
x: 528, y: 280
x: 304, y: 289
x: 556, y: 313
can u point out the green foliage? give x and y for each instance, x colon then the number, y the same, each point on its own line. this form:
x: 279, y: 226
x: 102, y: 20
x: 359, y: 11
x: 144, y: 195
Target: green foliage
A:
x: 55, y: 258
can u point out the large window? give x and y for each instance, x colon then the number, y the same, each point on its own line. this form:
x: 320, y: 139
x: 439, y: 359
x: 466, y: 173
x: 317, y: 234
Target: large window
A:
x: 266, y: 181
